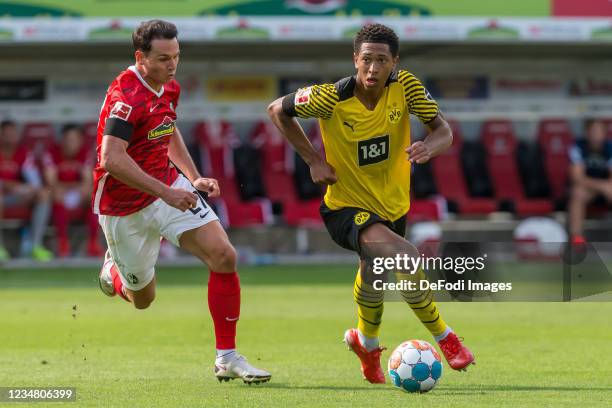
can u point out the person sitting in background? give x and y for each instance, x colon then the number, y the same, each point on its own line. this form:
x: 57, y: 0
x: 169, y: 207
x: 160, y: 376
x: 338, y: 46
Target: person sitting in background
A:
x: 68, y: 172
x: 22, y: 187
x: 591, y: 159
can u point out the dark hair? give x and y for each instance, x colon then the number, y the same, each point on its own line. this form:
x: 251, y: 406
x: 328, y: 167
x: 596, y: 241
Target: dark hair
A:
x: 147, y: 31
x: 6, y: 123
x: 377, y: 33
x: 589, y: 122
x: 68, y: 127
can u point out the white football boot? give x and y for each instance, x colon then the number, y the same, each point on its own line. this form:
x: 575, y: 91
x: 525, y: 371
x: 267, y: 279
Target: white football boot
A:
x: 240, y: 368
x: 105, y: 279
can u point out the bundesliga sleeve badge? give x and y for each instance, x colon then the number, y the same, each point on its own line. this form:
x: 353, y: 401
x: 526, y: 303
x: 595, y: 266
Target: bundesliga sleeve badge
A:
x: 302, y: 96
x: 121, y: 111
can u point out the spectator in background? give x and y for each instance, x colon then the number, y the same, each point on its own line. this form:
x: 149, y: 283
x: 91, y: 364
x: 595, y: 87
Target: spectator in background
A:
x: 68, y: 172
x: 591, y: 159
x: 22, y: 187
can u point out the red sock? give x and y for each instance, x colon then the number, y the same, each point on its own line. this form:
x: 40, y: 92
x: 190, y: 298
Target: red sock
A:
x: 117, y: 283
x: 224, y: 306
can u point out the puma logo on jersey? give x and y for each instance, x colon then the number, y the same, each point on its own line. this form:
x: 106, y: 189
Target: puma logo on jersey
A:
x: 348, y: 125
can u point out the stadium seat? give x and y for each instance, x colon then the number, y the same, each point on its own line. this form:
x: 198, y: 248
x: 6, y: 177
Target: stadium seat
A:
x: 501, y: 146
x: 306, y: 188
x: 555, y: 138
x: 422, y: 181
x: 277, y: 162
x: 450, y: 180
x: 16, y: 213
x: 216, y: 142
x: 431, y: 209
x: 302, y: 213
x: 533, y: 177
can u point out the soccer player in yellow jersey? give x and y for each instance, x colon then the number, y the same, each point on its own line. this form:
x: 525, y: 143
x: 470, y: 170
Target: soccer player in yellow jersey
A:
x: 365, y: 125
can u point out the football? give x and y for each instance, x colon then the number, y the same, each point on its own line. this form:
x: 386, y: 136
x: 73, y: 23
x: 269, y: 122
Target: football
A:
x: 415, y: 366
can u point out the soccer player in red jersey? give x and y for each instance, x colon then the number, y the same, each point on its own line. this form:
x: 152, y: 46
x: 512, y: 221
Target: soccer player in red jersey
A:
x: 140, y: 197
x: 68, y: 169
x: 21, y: 186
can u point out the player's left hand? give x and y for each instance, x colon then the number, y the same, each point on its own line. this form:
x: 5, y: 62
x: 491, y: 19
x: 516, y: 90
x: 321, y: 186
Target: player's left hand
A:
x: 211, y: 186
x: 418, y: 153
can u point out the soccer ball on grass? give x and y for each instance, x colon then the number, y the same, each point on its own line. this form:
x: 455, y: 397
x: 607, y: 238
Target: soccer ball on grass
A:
x: 415, y: 366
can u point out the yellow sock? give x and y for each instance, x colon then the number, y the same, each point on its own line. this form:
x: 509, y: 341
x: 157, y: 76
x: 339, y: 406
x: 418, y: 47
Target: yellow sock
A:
x: 424, y: 307
x: 370, y: 305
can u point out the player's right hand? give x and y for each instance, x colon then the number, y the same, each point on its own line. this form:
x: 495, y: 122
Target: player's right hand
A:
x: 180, y: 198
x: 323, y: 173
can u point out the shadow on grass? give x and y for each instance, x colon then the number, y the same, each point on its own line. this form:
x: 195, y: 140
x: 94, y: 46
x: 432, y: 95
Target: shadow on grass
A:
x: 365, y: 388
x: 461, y: 389
x: 445, y: 389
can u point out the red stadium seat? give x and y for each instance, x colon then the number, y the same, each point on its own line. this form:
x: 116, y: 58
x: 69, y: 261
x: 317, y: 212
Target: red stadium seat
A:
x: 216, y: 141
x: 303, y: 213
x: 244, y: 214
x: 433, y: 209
x: 450, y: 181
x: 500, y: 144
x: 555, y: 138
x: 16, y: 213
x: 277, y: 162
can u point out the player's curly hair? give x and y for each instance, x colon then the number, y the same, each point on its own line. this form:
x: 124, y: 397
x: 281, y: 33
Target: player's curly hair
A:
x: 147, y: 31
x: 377, y: 33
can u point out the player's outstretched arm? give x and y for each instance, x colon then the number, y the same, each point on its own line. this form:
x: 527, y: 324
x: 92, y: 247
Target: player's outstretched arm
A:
x: 437, y: 141
x: 320, y: 171
x: 119, y: 164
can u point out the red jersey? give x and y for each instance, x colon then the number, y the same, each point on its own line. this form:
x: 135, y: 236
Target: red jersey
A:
x: 145, y: 118
x: 16, y: 167
x: 69, y: 169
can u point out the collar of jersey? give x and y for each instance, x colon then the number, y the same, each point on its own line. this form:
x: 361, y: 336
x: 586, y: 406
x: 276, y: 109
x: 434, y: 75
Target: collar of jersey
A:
x: 146, y: 85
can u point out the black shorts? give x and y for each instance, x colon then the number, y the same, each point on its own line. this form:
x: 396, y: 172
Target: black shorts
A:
x: 345, y: 224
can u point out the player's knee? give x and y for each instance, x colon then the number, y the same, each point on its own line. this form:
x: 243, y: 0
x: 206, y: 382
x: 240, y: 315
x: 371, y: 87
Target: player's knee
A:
x: 223, y: 258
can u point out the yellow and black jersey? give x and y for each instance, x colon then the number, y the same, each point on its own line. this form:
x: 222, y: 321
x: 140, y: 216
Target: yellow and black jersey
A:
x: 366, y: 147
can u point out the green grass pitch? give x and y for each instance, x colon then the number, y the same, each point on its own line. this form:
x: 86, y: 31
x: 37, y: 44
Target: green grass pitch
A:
x: 293, y: 318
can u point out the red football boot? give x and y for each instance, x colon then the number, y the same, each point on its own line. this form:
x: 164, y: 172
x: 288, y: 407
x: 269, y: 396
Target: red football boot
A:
x: 457, y: 355
x: 370, y: 360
